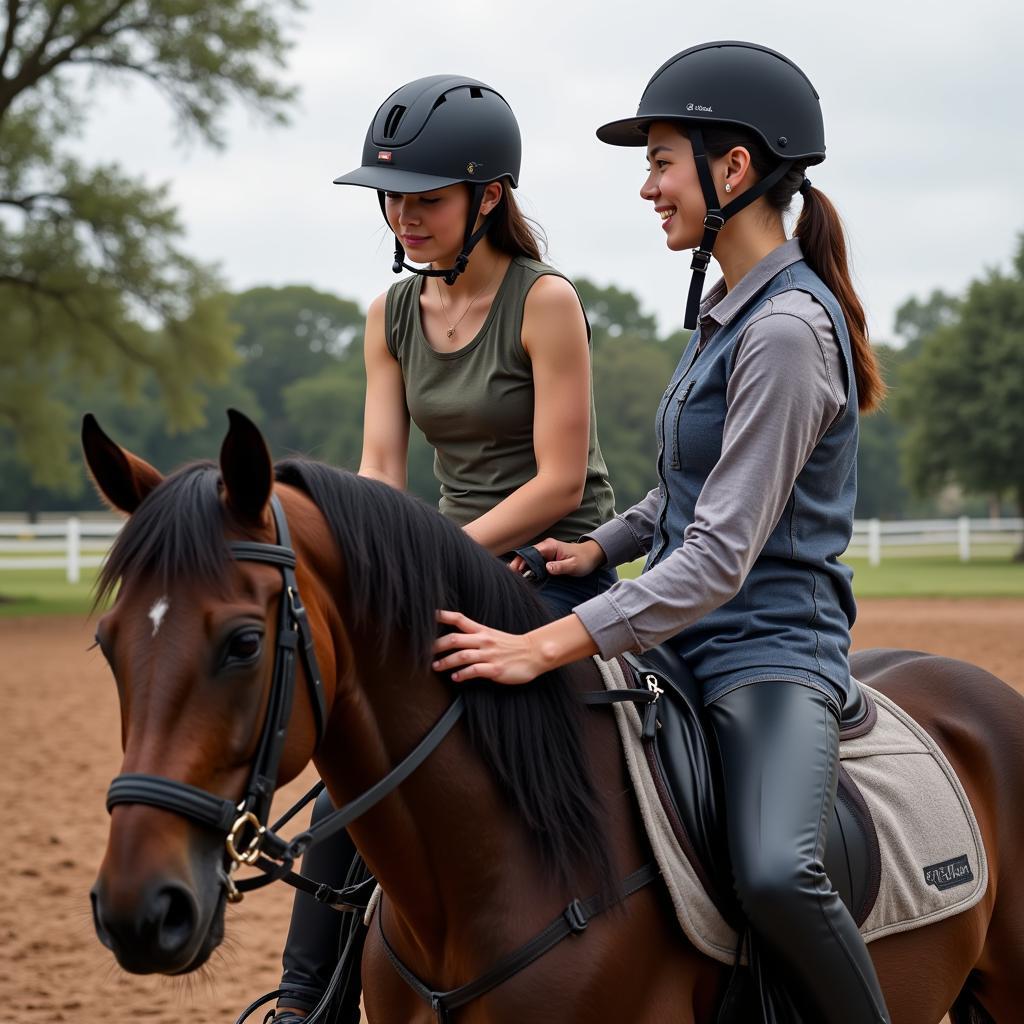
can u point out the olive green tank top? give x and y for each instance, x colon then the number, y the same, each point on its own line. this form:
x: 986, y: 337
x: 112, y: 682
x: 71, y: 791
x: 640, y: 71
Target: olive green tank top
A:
x: 475, y: 405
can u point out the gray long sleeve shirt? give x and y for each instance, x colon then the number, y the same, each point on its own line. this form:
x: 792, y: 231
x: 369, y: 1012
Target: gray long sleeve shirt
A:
x: 785, y: 390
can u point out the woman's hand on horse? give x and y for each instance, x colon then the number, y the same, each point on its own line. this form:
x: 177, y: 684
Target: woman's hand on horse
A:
x: 479, y: 652
x: 565, y: 559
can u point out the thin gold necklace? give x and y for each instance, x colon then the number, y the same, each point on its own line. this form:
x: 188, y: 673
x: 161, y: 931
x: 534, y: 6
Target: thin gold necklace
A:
x: 451, y: 326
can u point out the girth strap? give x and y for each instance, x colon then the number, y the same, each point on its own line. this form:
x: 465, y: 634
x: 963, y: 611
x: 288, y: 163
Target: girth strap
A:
x: 572, y: 921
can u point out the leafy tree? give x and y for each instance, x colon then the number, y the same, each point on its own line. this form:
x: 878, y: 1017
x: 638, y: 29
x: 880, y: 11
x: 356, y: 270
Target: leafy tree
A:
x: 292, y: 334
x: 93, y: 284
x: 139, y: 422
x: 631, y: 370
x: 915, y: 319
x: 881, y: 489
x: 629, y: 379
x: 327, y: 413
x: 613, y: 312
x: 963, y: 397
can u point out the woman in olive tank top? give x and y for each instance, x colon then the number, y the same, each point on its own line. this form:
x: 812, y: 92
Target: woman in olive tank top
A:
x: 490, y: 357
x: 493, y: 364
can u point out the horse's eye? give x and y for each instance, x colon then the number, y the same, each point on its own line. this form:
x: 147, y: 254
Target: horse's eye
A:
x: 244, y: 647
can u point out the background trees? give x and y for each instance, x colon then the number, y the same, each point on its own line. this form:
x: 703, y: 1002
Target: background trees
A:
x: 632, y: 367
x: 102, y: 309
x: 963, y: 394
x: 947, y: 441
x: 95, y: 290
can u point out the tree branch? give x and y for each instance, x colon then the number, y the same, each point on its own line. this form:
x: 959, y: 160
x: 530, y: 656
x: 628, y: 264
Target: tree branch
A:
x: 83, y: 37
x: 28, y: 202
x: 51, y: 29
x: 63, y: 298
x: 35, y: 67
x: 34, y: 286
x: 12, y: 24
x: 165, y: 84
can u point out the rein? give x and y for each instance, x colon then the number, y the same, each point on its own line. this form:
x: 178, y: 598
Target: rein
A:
x: 248, y: 839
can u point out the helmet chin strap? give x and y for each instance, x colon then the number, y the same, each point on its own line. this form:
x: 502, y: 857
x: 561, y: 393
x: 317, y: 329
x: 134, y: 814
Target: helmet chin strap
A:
x: 715, y: 218
x: 468, y: 244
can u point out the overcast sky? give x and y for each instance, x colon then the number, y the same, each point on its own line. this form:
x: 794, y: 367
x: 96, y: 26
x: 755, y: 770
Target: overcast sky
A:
x: 923, y: 123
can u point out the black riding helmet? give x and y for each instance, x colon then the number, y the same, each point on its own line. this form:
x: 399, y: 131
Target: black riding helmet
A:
x: 435, y: 132
x: 728, y: 82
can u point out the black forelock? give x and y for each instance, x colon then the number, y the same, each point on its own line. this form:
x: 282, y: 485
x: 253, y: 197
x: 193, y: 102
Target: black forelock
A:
x: 176, y: 533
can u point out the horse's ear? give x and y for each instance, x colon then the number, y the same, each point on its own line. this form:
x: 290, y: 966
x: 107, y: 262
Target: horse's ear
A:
x: 246, y: 469
x: 122, y: 479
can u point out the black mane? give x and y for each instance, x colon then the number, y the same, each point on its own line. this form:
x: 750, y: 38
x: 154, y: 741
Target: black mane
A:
x: 404, y: 560
x: 176, y: 533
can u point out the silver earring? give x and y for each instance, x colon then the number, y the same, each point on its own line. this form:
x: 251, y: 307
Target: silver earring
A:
x: 728, y: 187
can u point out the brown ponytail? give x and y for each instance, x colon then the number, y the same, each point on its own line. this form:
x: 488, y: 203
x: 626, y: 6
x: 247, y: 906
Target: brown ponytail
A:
x: 823, y: 242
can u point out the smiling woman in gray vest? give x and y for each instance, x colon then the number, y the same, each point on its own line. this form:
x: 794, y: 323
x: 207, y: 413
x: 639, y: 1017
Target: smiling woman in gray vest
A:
x: 487, y: 350
x: 757, y: 442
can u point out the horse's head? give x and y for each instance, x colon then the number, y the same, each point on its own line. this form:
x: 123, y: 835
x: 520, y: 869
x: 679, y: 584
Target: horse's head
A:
x: 192, y: 639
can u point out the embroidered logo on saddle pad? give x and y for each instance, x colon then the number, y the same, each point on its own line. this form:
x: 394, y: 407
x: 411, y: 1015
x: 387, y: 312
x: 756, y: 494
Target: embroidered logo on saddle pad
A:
x: 949, y: 873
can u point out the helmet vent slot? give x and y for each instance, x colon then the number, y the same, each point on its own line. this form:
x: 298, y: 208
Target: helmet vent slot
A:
x: 440, y: 99
x: 476, y: 93
x: 393, y: 120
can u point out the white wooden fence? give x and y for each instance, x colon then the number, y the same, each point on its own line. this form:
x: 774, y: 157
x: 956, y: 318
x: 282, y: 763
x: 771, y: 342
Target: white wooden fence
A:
x: 906, y: 538
x: 72, y: 544
x: 75, y: 544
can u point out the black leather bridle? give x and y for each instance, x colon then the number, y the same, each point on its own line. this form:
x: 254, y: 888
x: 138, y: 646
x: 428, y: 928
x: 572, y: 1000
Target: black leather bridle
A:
x: 248, y: 839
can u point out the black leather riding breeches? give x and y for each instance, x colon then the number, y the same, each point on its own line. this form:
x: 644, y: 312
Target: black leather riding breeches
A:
x: 315, y: 934
x: 778, y: 744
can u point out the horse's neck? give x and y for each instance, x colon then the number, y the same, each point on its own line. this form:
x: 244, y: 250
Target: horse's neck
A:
x: 449, y: 854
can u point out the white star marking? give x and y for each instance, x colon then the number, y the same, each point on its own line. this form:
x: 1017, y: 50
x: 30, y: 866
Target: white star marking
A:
x: 157, y: 613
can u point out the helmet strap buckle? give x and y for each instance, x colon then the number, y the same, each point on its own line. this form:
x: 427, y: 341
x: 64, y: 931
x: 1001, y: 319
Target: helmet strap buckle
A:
x: 700, y: 261
x: 714, y: 220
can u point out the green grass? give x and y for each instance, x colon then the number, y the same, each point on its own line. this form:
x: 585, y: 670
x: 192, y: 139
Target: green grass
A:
x: 46, y: 592
x: 938, y: 576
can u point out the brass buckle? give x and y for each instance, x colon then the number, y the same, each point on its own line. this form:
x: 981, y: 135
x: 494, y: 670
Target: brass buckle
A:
x: 251, y: 853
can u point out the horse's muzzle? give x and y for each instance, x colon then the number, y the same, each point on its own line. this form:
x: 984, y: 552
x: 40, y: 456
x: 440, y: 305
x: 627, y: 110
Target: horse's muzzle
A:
x: 160, y: 931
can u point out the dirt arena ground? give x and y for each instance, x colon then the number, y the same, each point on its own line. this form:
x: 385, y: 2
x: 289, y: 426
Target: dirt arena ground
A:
x: 60, y: 728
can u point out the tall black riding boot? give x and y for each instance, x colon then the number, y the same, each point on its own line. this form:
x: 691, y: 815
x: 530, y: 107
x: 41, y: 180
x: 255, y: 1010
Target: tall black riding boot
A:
x: 778, y: 743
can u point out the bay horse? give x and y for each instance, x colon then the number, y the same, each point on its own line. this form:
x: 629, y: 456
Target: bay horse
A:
x: 526, y: 804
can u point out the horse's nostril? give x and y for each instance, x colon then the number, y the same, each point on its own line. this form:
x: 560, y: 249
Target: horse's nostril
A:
x: 101, y: 933
x: 177, y: 916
